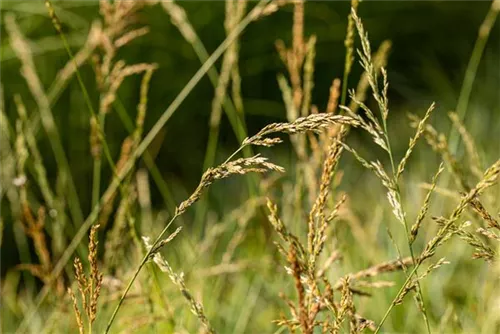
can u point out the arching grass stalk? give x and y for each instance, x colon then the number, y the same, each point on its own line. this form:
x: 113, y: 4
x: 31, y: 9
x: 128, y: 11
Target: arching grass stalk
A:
x: 256, y: 164
x: 141, y: 148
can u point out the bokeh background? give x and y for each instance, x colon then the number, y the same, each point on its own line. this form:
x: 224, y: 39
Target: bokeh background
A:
x: 431, y: 41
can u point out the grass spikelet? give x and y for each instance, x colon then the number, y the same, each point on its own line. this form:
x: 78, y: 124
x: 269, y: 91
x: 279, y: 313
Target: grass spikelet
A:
x: 439, y: 144
x: 281, y: 229
x: 481, y: 211
x: 344, y: 307
x: 292, y: 112
x: 67, y: 72
x: 78, y: 315
x: 413, y: 141
x: 379, y: 60
x: 308, y: 75
x: 373, y: 127
x: 296, y: 54
x: 368, y: 65
x: 313, y: 122
x: 116, y: 77
x: 34, y: 228
x: 130, y: 36
x: 89, y: 287
x: 296, y: 272
x: 240, y: 166
x: 317, y: 221
x: 142, y: 106
x: 375, y: 270
x: 488, y: 233
x: 425, y: 207
x: 95, y: 276
x: 490, y: 176
x: 178, y: 280
x: 336, y: 209
x: 482, y: 250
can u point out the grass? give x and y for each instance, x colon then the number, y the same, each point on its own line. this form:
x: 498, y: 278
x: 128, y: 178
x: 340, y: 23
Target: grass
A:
x: 339, y: 241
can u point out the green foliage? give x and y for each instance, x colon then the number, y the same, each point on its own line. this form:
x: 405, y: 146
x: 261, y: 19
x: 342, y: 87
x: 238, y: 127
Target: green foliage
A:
x: 138, y: 116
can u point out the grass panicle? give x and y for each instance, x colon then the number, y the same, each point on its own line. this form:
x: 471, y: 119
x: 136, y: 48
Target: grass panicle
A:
x: 88, y: 286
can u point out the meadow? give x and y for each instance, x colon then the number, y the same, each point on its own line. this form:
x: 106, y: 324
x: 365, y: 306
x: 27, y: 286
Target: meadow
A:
x: 267, y: 166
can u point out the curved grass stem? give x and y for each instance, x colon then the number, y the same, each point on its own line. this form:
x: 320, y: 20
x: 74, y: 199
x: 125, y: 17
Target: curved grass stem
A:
x: 137, y: 271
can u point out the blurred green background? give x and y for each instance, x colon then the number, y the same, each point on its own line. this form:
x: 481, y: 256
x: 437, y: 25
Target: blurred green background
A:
x: 431, y: 45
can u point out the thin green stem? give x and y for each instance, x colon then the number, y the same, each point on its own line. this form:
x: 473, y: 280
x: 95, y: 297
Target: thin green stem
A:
x: 386, y: 315
x: 234, y: 153
x: 136, y: 273
x: 470, y: 72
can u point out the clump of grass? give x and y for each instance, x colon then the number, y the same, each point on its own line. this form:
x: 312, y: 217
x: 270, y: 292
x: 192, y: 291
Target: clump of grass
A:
x: 322, y: 290
x: 231, y: 167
